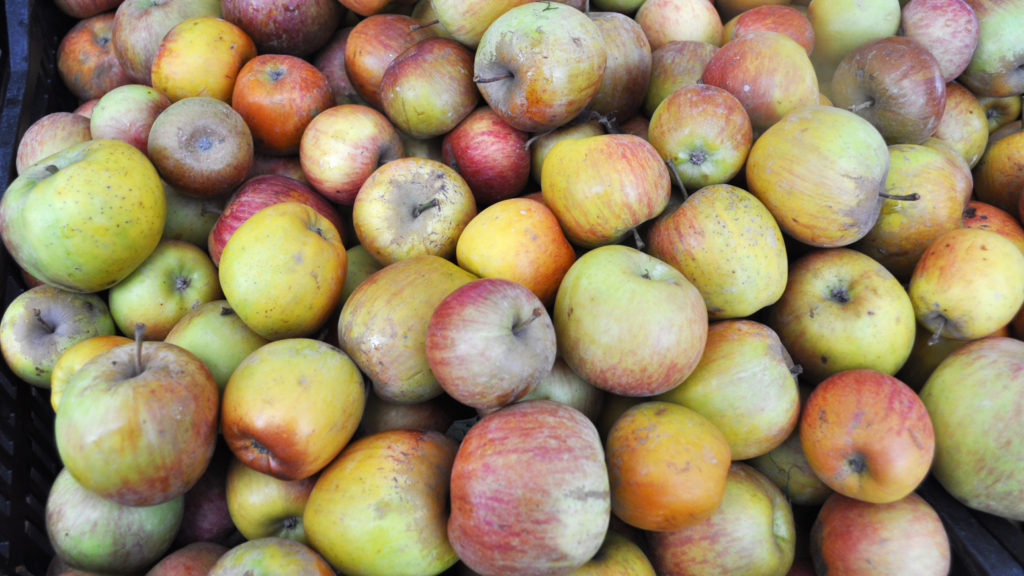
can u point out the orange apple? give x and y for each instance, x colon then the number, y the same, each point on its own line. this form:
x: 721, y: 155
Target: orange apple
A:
x: 85, y: 58
x: 776, y: 16
x: 982, y: 215
x: 999, y: 174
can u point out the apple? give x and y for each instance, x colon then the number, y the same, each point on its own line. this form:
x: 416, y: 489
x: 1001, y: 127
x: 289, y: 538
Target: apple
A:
x: 549, y: 480
x: 271, y: 556
x: 81, y: 188
x: 994, y: 69
x: 774, y: 16
x: 959, y: 292
x: 929, y: 352
x: 602, y: 187
x: 867, y: 435
x: 86, y: 61
x: 50, y: 134
x: 73, y: 358
x: 330, y: 60
x: 540, y: 144
x: 361, y: 264
x: 1000, y: 111
x: 190, y: 218
x: 627, y: 7
x: 177, y: 278
x: 373, y: 43
x: 466, y: 21
x: 618, y: 554
x: 140, y: 26
x: 540, y: 64
x: 629, y: 323
x: 982, y: 215
x: 563, y: 385
x: 259, y: 192
x: 85, y: 108
x: 489, y: 154
x: 115, y: 408
x: 902, y: 537
x: 439, y: 413
x: 127, y: 113
x: 842, y: 25
x: 942, y: 182
x: 627, y: 70
x: 751, y: 532
x: 289, y: 166
x: 745, y: 384
x: 93, y: 533
x: 768, y: 72
x: 282, y: 270
x: 489, y: 342
x: 673, y: 20
x: 83, y: 9
x: 370, y: 7
x: 206, y: 517
x: 999, y: 174
x: 963, y: 124
x: 946, y: 28
x: 282, y: 27
x: 674, y: 65
x: 218, y: 46
x: 193, y: 559
x: 896, y: 84
x: 819, y: 171
x: 381, y: 506
x: 973, y: 399
x: 383, y: 325
x: 786, y: 465
x: 262, y: 506
x: 343, y: 145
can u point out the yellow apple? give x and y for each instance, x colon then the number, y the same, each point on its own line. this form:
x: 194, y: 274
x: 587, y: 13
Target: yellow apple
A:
x: 201, y: 56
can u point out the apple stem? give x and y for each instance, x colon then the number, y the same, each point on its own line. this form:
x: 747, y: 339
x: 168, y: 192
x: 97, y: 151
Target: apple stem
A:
x: 140, y: 330
x: 796, y: 370
x: 424, y: 25
x: 900, y: 197
x: 638, y: 240
x: 519, y: 327
x: 679, y: 180
x: 858, y: 107
x: 424, y: 207
x: 489, y: 79
x: 38, y: 314
x: 532, y: 139
x: 937, y: 333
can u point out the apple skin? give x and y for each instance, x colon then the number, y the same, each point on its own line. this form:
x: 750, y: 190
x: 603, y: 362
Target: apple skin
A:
x: 83, y: 9
x: 49, y: 134
x: 628, y: 323
x: 42, y: 323
x: 385, y: 492
x: 140, y: 25
x: 674, y: 20
x: 860, y: 538
x: 465, y: 21
x: 281, y: 27
x: 777, y: 17
x: 516, y: 77
x: 82, y: 188
x: 370, y: 7
x: 867, y: 435
x: 373, y: 44
x: 93, y: 533
x: 563, y: 385
x: 999, y: 174
x: 674, y: 65
x: 127, y: 113
x: 216, y: 45
x: 994, y: 69
x: 786, y: 466
x: 489, y: 154
x: 74, y: 358
x: 963, y: 125
x: 262, y: 506
x: 982, y: 215
x: 291, y: 406
x: 618, y: 555
x: 85, y: 57
x: 269, y: 557
x: 549, y: 480
x: 330, y: 60
x: 190, y: 218
x: 206, y: 517
x: 540, y: 144
x: 627, y: 70
x: 837, y: 31
x: 193, y: 559
x: 946, y: 28
x: 751, y: 532
x: 438, y: 413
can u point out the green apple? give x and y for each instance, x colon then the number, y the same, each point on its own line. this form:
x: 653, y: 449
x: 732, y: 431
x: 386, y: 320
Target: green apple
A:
x: 842, y: 25
x: 360, y: 264
x: 617, y: 555
x: 262, y: 505
x: 86, y: 217
x: 190, y: 218
x: 995, y: 66
x: 786, y: 465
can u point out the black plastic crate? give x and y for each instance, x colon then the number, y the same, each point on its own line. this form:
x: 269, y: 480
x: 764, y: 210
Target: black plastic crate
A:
x: 982, y: 544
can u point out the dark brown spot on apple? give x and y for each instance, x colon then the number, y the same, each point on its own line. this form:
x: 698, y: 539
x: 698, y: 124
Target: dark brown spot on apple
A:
x: 839, y: 294
x: 824, y: 359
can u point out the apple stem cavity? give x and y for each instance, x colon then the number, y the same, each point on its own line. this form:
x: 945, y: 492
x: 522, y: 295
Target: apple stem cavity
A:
x: 433, y: 203
x: 140, y: 331
x: 489, y: 79
x: 522, y: 324
x: 861, y: 106
x: 38, y: 315
x: 901, y: 197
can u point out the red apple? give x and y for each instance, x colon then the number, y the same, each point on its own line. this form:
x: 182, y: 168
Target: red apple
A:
x: 86, y: 60
x: 283, y: 26
x: 946, y: 28
x: 773, y: 17
x: 330, y: 60
x: 49, y: 134
x: 371, y: 46
x: 489, y: 154
x: 627, y: 70
x: 127, y: 113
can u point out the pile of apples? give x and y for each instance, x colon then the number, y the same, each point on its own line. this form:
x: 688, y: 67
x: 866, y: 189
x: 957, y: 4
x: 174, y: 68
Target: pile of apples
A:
x: 510, y: 288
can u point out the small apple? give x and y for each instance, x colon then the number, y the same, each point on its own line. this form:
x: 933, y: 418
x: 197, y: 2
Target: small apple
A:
x: 563, y: 385
x: 85, y: 57
x: 787, y: 466
x: 127, y: 113
x: 82, y: 9
x: 190, y: 218
x: 49, y: 134
x: 261, y: 505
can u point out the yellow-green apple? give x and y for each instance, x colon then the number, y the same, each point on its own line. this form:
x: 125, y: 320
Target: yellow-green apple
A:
x: 86, y: 61
x: 176, y: 278
x: 1000, y: 111
x: 213, y: 332
x: 190, y: 218
x: 127, y: 113
x: 896, y: 84
x: 968, y: 283
x: 929, y: 352
x: 49, y: 134
x: 149, y: 406
x: 386, y: 339
x: 291, y: 406
x: 667, y: 466
x: 601, y: 188
x: 674, y: 65
x: 201, y: 56
x: 330, y: 60
x: 80, y: 192
x: 974, y: 398
x: 946, y: 28
x: 375, y: 42
x: 751, y: 532
x: 904, y: 229
x: 787, y: 466
x: 842, y: 25
x: 517, y: 239
x: 361, y: 264
x: 73, y: 358
x: 43, y: 322
x: 994, y: 69
x: 820, y: 171
x: 618, y: 555
x: 96, y: 534
x: 490, y: 342
x: 629, y: 323
x: 489, y: 154
x: 627, y: 7
x: 540, y: 144
x: 269, y: 557
x: 282, y: 27
x: 429, y: 147
x: 466, y: 20
x: 262, y: 505
x: 776, y: 17
x: 140, y: 25
x: 867, y: 435
x: 283, y: 269
x: 739, y: 264
x: 906, y: 536
x: 704, y: 133
x: 438, y: 413
x: 745, y: 384
x: 194, y: 559
x: 999, y: 174
x: 381, y: 506
x: 842, y: 309
x: 563, y: 385
x: 540, y: 64
x: 674, y: 20
x: 428, y: 89
x: 343, y: 145
x: 627, y: 69
x: 768, y: 72
x: 549, y: 480
x: 412, y: 206
x: 963, y: 124
x: 257, y: 193
x: 278, y: 95
x: 983, y: 215
x: 201, y: 145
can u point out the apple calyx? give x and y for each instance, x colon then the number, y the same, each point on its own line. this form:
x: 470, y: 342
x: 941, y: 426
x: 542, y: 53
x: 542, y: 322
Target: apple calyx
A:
x: 839, y: 294
x: 518, y: 328
x: 420, y: 209
x: 856, y: 463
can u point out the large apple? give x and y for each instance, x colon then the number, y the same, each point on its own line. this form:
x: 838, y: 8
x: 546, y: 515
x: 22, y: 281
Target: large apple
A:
x: 629, y: 323
x: 995, y: 66
x: 80, y: 192
x: 540, y: 144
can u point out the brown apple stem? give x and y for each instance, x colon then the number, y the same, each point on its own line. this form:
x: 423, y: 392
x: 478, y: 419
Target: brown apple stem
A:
x: 38, y: 314
x: 489, y: 79
x: 638, y: 240
x: 519, y: 327
x: 937, y: 333
x: 424, y: 207
x: 424, y: 25
x: 532, y: 139
x: 679, y: 180
x: 858, y: 107
x: 901, y: 197
x: 796, y: 370
x: 140, y: 330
